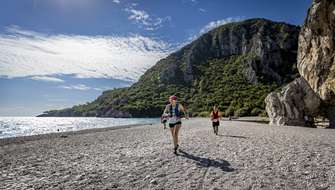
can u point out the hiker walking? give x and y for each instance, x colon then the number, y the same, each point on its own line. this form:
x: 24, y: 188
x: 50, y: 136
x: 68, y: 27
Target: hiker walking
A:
x: 215, y: 117
x: 173, y: 110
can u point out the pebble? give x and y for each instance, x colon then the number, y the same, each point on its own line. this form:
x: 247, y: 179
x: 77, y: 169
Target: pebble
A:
x: 267, y: 158
x: 154, y: 182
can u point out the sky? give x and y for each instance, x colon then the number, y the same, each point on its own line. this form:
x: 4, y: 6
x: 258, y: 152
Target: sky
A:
x: 59, y: 53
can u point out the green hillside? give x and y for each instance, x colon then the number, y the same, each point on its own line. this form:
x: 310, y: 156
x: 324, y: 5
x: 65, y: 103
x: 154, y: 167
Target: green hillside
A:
x: 235, y: 66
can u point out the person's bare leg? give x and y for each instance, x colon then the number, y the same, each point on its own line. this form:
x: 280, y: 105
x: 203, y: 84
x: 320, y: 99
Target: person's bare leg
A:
x: 172, y: 129
x: 177, y: 133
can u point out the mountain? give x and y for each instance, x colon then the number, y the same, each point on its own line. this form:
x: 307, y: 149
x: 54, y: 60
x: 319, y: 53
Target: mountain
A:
x: 235, y: 65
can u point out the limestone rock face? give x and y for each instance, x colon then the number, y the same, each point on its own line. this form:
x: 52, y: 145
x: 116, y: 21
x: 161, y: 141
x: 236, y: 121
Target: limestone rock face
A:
x: 273, y: 44
x: 316, y: 53
x: 292, y: 104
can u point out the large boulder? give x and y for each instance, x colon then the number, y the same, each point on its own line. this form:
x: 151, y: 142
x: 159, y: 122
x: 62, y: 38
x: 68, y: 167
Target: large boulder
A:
x: 296, y: 102
x: 316, y: 53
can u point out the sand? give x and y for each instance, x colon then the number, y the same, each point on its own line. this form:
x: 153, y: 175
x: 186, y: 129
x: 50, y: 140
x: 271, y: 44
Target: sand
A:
x: 244, y: 155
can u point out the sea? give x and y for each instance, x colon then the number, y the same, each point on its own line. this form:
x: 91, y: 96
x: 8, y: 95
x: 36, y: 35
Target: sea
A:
x: 27, y: 126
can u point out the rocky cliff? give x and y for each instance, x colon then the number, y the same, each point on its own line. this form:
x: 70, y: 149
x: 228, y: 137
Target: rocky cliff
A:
x: 273, y: 45
x: 235, y: 65
x: 316, y: 64
x: 316, y: 57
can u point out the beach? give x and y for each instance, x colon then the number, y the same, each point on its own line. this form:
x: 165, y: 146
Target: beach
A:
x: 245, y: 155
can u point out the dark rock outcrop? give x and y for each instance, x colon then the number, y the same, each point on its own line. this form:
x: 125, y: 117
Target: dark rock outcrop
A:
x: 114, y: 113
x: 109, y: 112
x: 294, y: 105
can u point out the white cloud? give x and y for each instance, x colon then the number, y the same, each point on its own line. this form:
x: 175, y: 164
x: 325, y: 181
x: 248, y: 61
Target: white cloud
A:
x: 116, y: 1
x: 47, y: 79
x: 194, y: 2
x: 105, y: 88
x: 26, y: 54
x: 138, y: 15
x: 202, y: 10
x: 82, y: 87
x: 213, y: 24
x: 145, y: 20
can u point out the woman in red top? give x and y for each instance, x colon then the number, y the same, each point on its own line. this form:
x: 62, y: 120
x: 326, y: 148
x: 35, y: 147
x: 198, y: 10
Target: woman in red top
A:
x: 215, y: 117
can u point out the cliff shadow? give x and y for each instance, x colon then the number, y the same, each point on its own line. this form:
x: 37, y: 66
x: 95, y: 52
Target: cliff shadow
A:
x: 207, y: 162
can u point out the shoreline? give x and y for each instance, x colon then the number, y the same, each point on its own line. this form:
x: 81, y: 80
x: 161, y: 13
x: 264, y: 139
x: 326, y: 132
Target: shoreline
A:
x: 64, y: 134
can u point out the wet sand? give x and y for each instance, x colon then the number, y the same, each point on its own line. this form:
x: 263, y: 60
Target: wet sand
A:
x: 245, y: 155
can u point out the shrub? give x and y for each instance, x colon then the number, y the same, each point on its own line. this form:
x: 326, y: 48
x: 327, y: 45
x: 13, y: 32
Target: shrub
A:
x: 229, y: 111
x: 242, y: 112
x: 263, y: 114
x: 203, y: 114
x: 255, y: 111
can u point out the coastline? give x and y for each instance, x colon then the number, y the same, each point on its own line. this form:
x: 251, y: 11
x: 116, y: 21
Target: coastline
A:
x: 65, y: 134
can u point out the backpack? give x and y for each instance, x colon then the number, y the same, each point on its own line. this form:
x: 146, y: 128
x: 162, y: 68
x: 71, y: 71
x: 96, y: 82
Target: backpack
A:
x: 176, y: 111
